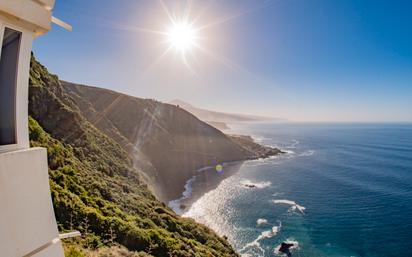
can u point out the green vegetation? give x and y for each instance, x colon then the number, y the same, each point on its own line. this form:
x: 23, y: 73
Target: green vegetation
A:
x: 96, y: 190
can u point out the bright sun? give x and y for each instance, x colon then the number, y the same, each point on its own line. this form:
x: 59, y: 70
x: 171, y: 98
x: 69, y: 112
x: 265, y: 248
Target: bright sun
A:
x: 182, y: 36
x: 186, y: 33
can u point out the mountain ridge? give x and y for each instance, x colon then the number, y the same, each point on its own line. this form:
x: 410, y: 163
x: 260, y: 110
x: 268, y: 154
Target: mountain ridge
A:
x: 216, y: 116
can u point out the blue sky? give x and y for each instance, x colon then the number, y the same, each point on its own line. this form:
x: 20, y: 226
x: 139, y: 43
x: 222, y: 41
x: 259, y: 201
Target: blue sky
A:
x: 307, y: 60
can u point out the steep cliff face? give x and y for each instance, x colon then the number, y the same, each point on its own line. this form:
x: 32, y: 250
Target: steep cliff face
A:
x: 168, y: 143
x: 97, y: 190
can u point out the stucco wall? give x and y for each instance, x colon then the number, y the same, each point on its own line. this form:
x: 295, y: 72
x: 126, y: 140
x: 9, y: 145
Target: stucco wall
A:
x: 26, y: 213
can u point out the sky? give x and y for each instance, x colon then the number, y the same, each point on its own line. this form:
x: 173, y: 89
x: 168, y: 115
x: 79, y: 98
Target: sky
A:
x: 301, y: 60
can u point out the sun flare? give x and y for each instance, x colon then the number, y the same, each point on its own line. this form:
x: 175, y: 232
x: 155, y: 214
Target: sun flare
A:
x: 182, y: 36
x: 186, y: 35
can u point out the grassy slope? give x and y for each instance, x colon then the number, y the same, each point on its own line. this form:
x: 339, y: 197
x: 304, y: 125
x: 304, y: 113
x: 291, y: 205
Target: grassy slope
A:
x: 95, y: 188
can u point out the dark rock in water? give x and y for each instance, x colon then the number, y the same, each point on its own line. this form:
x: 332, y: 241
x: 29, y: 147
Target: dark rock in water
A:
x: 284, y: 248
x: 259, y: 151
x: 182, y: 207
x: 250, y: 185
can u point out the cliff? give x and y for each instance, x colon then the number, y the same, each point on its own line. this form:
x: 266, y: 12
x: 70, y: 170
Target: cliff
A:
x: 104, y: 148
x: 164, y: 141
x: 97, y: 190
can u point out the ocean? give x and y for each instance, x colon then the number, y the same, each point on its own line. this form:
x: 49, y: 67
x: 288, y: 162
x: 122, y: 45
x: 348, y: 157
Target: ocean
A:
x: 339, y: 190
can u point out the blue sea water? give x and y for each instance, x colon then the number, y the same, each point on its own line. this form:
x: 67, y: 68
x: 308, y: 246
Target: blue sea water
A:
x: 340, y: 190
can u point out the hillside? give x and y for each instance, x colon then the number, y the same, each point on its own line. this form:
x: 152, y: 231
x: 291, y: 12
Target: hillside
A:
x: 164, y: 141
x: 97, y: 190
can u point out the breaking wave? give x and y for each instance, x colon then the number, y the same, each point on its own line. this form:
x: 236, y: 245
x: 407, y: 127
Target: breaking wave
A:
x: 264, y: 235
x: 261, y: 221
x: 176, y: 204
x: 294, y: 144
x: 293, y: 205
x: 307, y: 153
x: 260, y: 185
x: 288, y: 151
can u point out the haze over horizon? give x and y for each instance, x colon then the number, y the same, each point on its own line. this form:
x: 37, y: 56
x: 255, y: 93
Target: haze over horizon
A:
x: 311, y: 60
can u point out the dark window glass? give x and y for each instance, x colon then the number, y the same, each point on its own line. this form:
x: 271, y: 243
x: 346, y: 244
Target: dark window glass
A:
x: 8, y: 82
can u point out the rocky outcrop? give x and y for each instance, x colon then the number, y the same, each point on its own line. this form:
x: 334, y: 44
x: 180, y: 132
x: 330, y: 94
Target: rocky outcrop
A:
x: 257, y: 150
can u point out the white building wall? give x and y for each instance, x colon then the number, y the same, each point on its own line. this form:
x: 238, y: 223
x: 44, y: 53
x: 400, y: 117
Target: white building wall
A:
x: 27, y: 221
x: 26, y: 213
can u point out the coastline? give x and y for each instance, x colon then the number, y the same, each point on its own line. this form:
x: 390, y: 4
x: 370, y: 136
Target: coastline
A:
x: 209, y: 177
x: 206, y: 179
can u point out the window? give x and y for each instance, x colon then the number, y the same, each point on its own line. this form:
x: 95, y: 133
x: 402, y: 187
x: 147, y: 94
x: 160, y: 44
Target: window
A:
x: 8, y: 82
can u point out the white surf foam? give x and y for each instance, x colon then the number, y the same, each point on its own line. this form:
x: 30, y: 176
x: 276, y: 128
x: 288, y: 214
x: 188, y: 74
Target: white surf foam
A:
x: 293, y: 205
x: 175, y: 204
x: 265, y: 161
x: 288, y: 151
x: 294, y: 144
x: 261, y: 221
x: 264, y: 235
x: 307, y: 153
x: 260, y: 185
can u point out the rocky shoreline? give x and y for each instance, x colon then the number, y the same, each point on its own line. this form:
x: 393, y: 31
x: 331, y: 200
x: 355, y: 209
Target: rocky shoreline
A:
x: 260, y: 151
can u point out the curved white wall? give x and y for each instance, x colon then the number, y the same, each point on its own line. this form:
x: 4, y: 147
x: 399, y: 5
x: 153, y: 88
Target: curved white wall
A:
x: 26, y: 218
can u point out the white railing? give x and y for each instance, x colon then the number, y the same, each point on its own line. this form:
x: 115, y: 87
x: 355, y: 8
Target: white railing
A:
x: 52, y: 242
